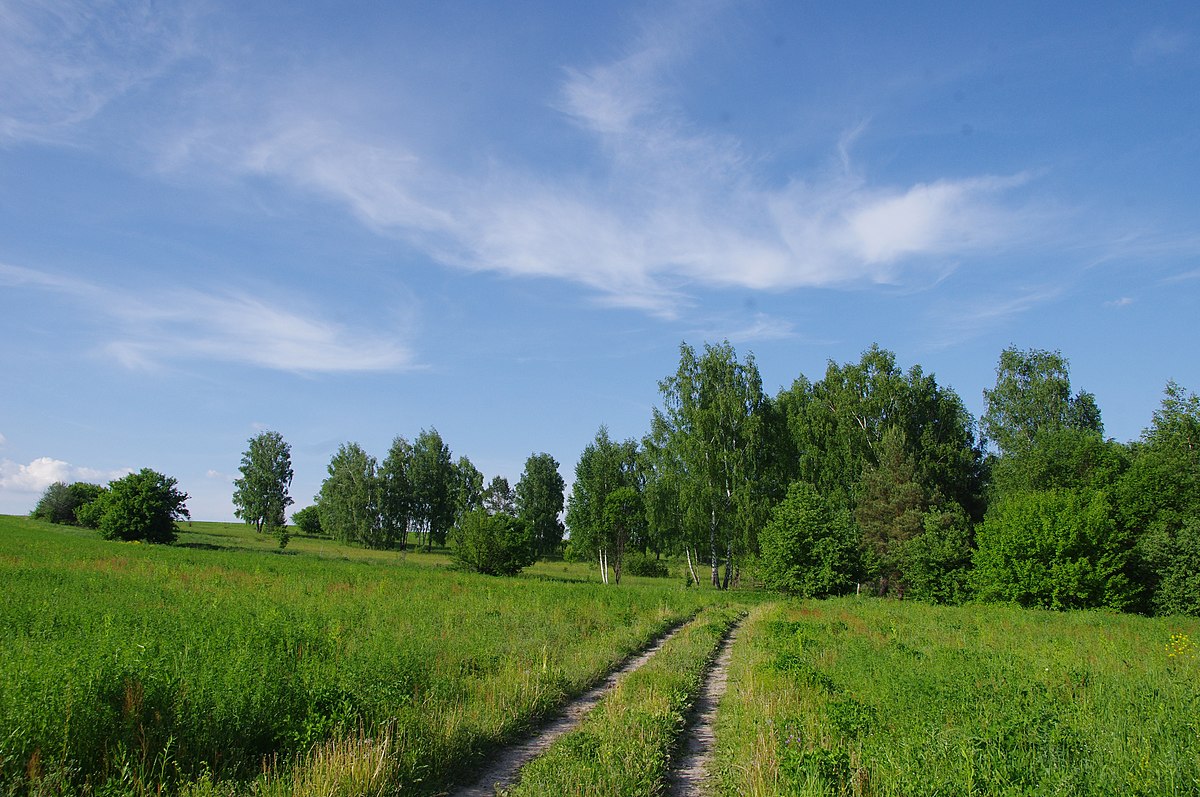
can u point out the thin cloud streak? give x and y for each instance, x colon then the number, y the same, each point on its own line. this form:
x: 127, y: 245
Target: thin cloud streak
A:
x: 63, y: 63
x: 156, y: 328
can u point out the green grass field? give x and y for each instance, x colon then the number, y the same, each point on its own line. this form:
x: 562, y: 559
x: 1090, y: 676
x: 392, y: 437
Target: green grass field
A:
x: 125, y: 666
x: 849, y: 697
x: 223, y: 666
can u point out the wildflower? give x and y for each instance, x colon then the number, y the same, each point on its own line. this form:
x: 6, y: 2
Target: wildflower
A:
x: 1179, y: 645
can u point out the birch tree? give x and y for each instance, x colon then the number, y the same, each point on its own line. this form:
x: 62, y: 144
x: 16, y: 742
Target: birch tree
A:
x: 711, y: 426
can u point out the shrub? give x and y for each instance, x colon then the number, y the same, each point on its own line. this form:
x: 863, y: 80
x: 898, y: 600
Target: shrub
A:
x: 60, y: 502
x: 141, y: 506
x: 1054, y: 549
x: 807, y: 550
x: 497, y: 545
x: 308, y: 520
x: 641, y: 564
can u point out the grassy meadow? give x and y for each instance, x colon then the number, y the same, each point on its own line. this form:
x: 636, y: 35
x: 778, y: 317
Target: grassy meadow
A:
x: 870, y: 697
x: 124, y: 667
x: 223, y: 666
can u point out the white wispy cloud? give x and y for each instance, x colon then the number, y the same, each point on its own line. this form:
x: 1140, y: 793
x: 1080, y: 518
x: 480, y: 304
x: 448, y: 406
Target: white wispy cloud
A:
x: 157, y: 327
x: 63, y: 62
x: 39, y: 474
x: 3, y: 439
x: 950, y: 325
x: 1159, y: 43
x: 663, y: 204
x: 1124, y: 301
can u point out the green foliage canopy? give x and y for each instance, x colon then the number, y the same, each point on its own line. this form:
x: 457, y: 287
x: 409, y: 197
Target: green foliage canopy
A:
x: 539, y: 499
x: 260, y: 496
x: 61, y: 501
x: 1054, y: 549
x: 807, y: 549
x: 494, y: 544
x: 142, y: 506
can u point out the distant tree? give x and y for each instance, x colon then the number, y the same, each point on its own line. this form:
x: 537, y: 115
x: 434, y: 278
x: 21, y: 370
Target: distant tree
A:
x: 624, y: 519
x: 308, y: 520
x: 807, y: 549
x: 669, y: 530
x: 711, y: 426
x: 349, y: 497
x: 60, y: 502
x: 260, y: 496
x: 835, y: 429
x: 396, y: 499
x: 432, y: 477
x: 540, y: 501
x: 499, y: 497
x: 1033, y: 395
x: 1158, y: 500
x: 468, y: 487
x: 1055, y: 549
x: 142, y: 506
x: 604, y: 466
x: 493, y: 544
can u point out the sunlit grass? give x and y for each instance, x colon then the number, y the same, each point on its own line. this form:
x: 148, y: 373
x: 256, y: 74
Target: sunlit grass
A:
x: 126, y: 667
x: 878, y: 697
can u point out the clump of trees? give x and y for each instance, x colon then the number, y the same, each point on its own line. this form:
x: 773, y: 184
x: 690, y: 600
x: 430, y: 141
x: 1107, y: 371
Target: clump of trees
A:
x: 141, y: 507
x: 420, y: 493
x: 60, y: 502
x: 875, y: 477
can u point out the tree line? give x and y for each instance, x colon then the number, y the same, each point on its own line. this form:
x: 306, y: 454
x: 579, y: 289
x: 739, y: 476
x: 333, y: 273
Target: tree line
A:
x: 877, y: 478
x: 871, y: 477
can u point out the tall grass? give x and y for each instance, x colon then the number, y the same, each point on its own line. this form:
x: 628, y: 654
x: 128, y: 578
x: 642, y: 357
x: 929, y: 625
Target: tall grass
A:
x: 127, y: 668
x: 877, y: 697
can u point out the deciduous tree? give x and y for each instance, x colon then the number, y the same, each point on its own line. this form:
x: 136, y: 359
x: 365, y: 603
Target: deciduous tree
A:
x: 711, y: 425
x: 433, y: 483
x: 260, y: 496
x: 603, y: 467
x: 540, y: 501
x: 142, y: 506
x: 349, y: 497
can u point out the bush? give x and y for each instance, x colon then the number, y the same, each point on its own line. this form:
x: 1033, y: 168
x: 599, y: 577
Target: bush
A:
x: 60, y: 502
x: 308, y: 520
x: 141, y: 506
x: 1055, y: 549
x: 640, y: 564
x: 497, y: 545
x: 807, y: 550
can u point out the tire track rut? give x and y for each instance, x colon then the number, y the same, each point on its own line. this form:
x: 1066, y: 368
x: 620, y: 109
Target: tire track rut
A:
x: 504, y: 770
x: 690, y: 775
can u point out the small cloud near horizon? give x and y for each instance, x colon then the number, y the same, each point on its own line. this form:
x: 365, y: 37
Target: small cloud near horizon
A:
x: 42, y: 472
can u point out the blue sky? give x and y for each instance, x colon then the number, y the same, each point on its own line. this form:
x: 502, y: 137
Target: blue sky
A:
x: 352, y: 221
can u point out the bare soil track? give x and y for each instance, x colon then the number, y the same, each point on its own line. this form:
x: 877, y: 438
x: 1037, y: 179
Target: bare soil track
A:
x: 503, y: 770
x: 690, y: 774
